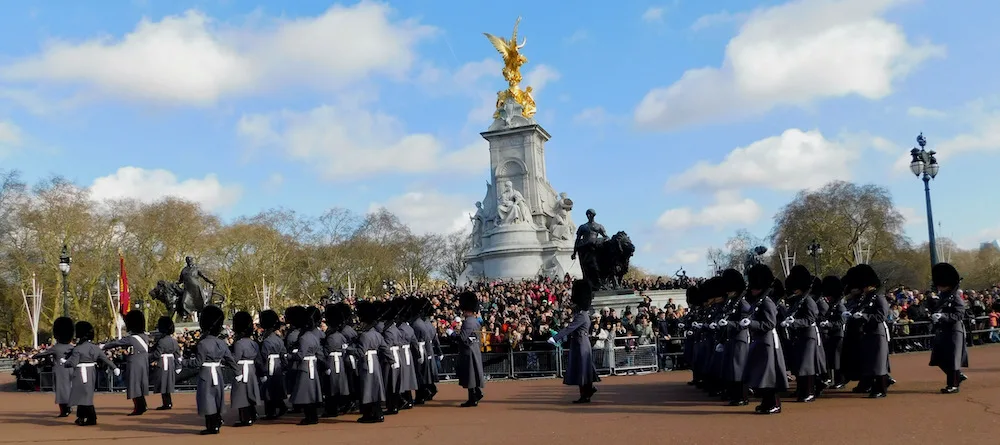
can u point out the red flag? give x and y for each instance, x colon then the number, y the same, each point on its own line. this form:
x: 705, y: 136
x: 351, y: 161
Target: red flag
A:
x: 124, y: 297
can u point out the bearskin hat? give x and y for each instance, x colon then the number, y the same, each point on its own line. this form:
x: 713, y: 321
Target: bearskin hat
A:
x: 468, y: 301
x: 311, y: 318
x: 777, y: 290
x: 945, y: 275
x: 165, y: 326
x: 832, y: 287
x: 135, y: 321
x: 334, y: 317
x: 62, y: 329
x: 243, y: 324
x: 693, y: 296
x: 269, y: 320
x: 402, y: 309
x: 817, y: 285
x: 211, y: 319
x: 711, y: 289
x: 84, y: 331
x: 760, y: 277
x: 866, y: 277
x: 798, y: 278
x: 367, y: 311
x: 425, y: 308
x: 732, y: 281
x: 346, y: 313
x: 295, y: 316
x: 582, y: 294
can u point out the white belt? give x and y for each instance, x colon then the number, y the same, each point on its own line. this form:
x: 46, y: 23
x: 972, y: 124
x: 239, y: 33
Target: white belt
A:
x: 166, y: 361
x: 214, y: 366
x: 423, y: 349
x: 245, y: 377
x: 336, y: 360
x: 354, y: 362
x: 819, y: 337
x: 886, y: 327
x: 83, y: 370
x: 370, y: 356
x: 270, y: 363
x: 777, y: 341
x: 311, y: 360
x: 408, y: 355
x: 395, y: 357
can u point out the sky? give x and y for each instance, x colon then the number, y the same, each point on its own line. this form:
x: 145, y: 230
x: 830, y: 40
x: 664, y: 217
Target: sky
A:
x: 678, y: 121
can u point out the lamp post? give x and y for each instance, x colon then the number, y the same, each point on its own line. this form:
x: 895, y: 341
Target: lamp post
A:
x: 815, y: 250
x: 64, y: 262
x: 925, y: 166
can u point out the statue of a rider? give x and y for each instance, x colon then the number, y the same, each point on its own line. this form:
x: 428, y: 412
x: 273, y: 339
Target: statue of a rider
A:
x: 193, y: 291
x: 589, y: 237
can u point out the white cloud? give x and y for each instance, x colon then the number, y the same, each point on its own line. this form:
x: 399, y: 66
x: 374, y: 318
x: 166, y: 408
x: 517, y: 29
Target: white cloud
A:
x: 982, y: 135
x: 539, y: 77
x: 686, y: 257
x: 274, y: 182
x: 921, y: 112
x: 151, y: 185
x: 791, y: 161
x: 10, y: 137
x: 429, y: 211
x: 653, y: 14
x: 782, y: 56
x: 591, y: 116
x: 577, y: 36
x: 912, y: 216
x: 718, y: 18
x: 347, y: 142
x: 191, y: 59
x: 728, y: 209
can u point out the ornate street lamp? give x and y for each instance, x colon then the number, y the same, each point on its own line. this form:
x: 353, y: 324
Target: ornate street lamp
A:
x: 815, y: 250
x: 64, y: 262
x: 925, y: 166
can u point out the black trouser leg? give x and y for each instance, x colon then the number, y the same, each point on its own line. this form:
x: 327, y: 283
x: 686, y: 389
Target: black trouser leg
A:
x: 950, y: 378
x: 472, y: 394
x: 63, y: 410
x: 957, y: 375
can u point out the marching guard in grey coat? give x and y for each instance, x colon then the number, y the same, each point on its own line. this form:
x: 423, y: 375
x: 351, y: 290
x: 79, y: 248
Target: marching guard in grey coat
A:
x: 306, y: 363
x: 165, y: 364
x: 737, y: 338
x: 212, y: 354
x: 765, y: 369
x: 351, y: 362
x: 949, y: 348
x: 83, y: 358
x: 335, y: 347
x: 62, y: 331
x: 808, y: 359
x: 580, y: 371
x: 833, y: 324
x: 872, y: 314
x: 370, y: 349
x: 293, y: 322
x: 470, y: 354
x: 408, y: 378
x: 391, y: 370
x: 271, y: 366
x: 429, y: 350
x: 137, y: 366
x: 246, y: 389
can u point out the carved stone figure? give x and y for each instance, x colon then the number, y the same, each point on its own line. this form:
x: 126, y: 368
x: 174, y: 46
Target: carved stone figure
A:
x: 478, y: 222
x: 511, y: 206
x: 589, y: 237
x: 561, y: 228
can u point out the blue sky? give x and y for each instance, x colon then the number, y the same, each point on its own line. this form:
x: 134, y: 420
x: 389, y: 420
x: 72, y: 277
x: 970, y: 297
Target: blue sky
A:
x: 678, y: 121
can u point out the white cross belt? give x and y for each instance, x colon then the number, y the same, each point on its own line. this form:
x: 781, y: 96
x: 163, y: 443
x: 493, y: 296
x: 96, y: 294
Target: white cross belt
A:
x: 83, y: 370
x: 423, y: 349
x: 245, y: 377
x: 395, y: 357
x: 270, y: 363
x: 777, y: 341
x: 311, y: 360
x: 166, y: 361
x: 408, y: 355
x: 336, y: 360
x: 370, y: 357
x: 214, y: 367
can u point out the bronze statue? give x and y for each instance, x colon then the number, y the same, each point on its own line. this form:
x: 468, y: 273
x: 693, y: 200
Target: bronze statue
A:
x: 589, y: 236
x: 187, y: 296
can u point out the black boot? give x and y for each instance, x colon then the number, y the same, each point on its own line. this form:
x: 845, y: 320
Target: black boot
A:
x: 421, y: 395
x: 371, y: 413
x: 951, y: 385
x: 168, y: 402
x: 138, y: 406
x: 246, y: 418
x: 804, y: 386
x: 432, y: 391
x: 86, y: 415
x: 212, y: 426
x: 407, y: 399
x: 586, y: 392
x: 311, y: 415
x: 331, y: 406
x: 473, y: 399
x: 391, y: 404
x: 739, y: 395
x: 64, y: 410
x: 879, y: 386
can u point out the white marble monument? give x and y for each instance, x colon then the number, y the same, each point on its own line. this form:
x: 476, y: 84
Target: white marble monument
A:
x: 522, y: 228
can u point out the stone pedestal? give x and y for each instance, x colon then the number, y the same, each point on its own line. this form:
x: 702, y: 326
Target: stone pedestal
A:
x: 542, y: 242
x: 616, y: 299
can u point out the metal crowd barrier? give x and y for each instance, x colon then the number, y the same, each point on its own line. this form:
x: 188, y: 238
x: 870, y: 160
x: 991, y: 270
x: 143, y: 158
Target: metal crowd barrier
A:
x: 614, y: 356
x: 6, y: 364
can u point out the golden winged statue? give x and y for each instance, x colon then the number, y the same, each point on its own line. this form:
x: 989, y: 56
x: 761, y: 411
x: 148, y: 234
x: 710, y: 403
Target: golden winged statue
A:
x: 512, y: 61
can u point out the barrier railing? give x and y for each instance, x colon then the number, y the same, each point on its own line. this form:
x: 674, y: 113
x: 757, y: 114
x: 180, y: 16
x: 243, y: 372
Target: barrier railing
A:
x: 613, y: 356
x: 6, y: 364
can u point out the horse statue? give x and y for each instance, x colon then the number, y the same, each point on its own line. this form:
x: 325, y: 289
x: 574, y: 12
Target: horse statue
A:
x: 172, y: 296
x: 613, y: 257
